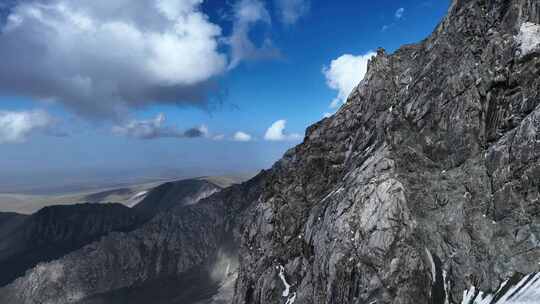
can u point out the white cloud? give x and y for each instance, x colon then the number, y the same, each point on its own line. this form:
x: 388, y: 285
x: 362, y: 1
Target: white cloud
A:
x: 242, y: 136
x: 218, y: 137
x: 248, y: 13
x: 156, y: 128
x: 399, y: 13
x: 344, y: 74
x: 103, y: 57
x: 15, y: 127
x: 204, y: 130
x: 251, y: 11
x: 327, y: 115
x: 276, y: 132
x: 292, y: 10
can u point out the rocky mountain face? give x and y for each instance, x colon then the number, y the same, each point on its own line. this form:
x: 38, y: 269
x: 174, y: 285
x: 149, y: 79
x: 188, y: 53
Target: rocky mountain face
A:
x: 423, y: 188
x: 424, y: 184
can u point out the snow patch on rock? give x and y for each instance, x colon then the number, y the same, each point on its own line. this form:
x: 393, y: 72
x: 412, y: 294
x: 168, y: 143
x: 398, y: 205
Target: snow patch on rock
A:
x: 525, y: 291
x: 291, y: 299
x: 192, y: 200
x: 137, y: 198
x: 432, y: 266
x: 447, y: 287
x: 285, y: 283
x: 529, y: 38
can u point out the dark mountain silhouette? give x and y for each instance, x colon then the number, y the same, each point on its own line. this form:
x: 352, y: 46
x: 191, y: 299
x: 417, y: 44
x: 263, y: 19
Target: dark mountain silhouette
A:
x: 55, y: 231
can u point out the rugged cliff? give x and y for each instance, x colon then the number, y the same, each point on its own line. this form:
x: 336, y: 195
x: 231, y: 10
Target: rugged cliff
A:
x: 425, y: 185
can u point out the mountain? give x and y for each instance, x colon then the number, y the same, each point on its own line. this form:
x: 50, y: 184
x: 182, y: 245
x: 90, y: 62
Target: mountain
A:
x: 128, y: 195
x: 9, y: 222
x: 55, y: 231
x: 180, y: 193
x: 194, y: 244
x: 423, y: 188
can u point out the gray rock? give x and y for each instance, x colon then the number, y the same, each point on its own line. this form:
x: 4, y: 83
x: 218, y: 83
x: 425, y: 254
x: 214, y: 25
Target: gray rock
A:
x: 424, y: 184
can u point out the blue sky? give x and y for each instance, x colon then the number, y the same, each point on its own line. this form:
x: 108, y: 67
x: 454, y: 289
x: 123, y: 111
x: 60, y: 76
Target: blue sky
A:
x: 259, y: 62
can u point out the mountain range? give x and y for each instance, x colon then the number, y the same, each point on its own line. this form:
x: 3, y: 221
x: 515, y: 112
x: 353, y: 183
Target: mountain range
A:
x: 423, y: 188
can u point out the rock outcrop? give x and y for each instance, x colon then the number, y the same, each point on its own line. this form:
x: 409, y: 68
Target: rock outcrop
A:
x: 424, y: 184
x: 423, y: 188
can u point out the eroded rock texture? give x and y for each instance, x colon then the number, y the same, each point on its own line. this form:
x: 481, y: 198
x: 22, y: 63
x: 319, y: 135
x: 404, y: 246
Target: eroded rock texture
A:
x: 424, y: 184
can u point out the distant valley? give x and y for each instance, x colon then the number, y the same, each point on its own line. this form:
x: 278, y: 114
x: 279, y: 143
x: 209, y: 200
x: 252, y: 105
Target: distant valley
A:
x: 125, y: 194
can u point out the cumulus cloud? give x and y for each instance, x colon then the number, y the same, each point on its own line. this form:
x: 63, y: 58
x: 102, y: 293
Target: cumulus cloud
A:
x: 248, y: 13
x: 101, y: 58
x: 399, y: 13
x: 242, y: 136
x: 291, y: 11
x: 156, y: 128
x: 15, y: 127
x: 344, y: 74
x: 276, y: 132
